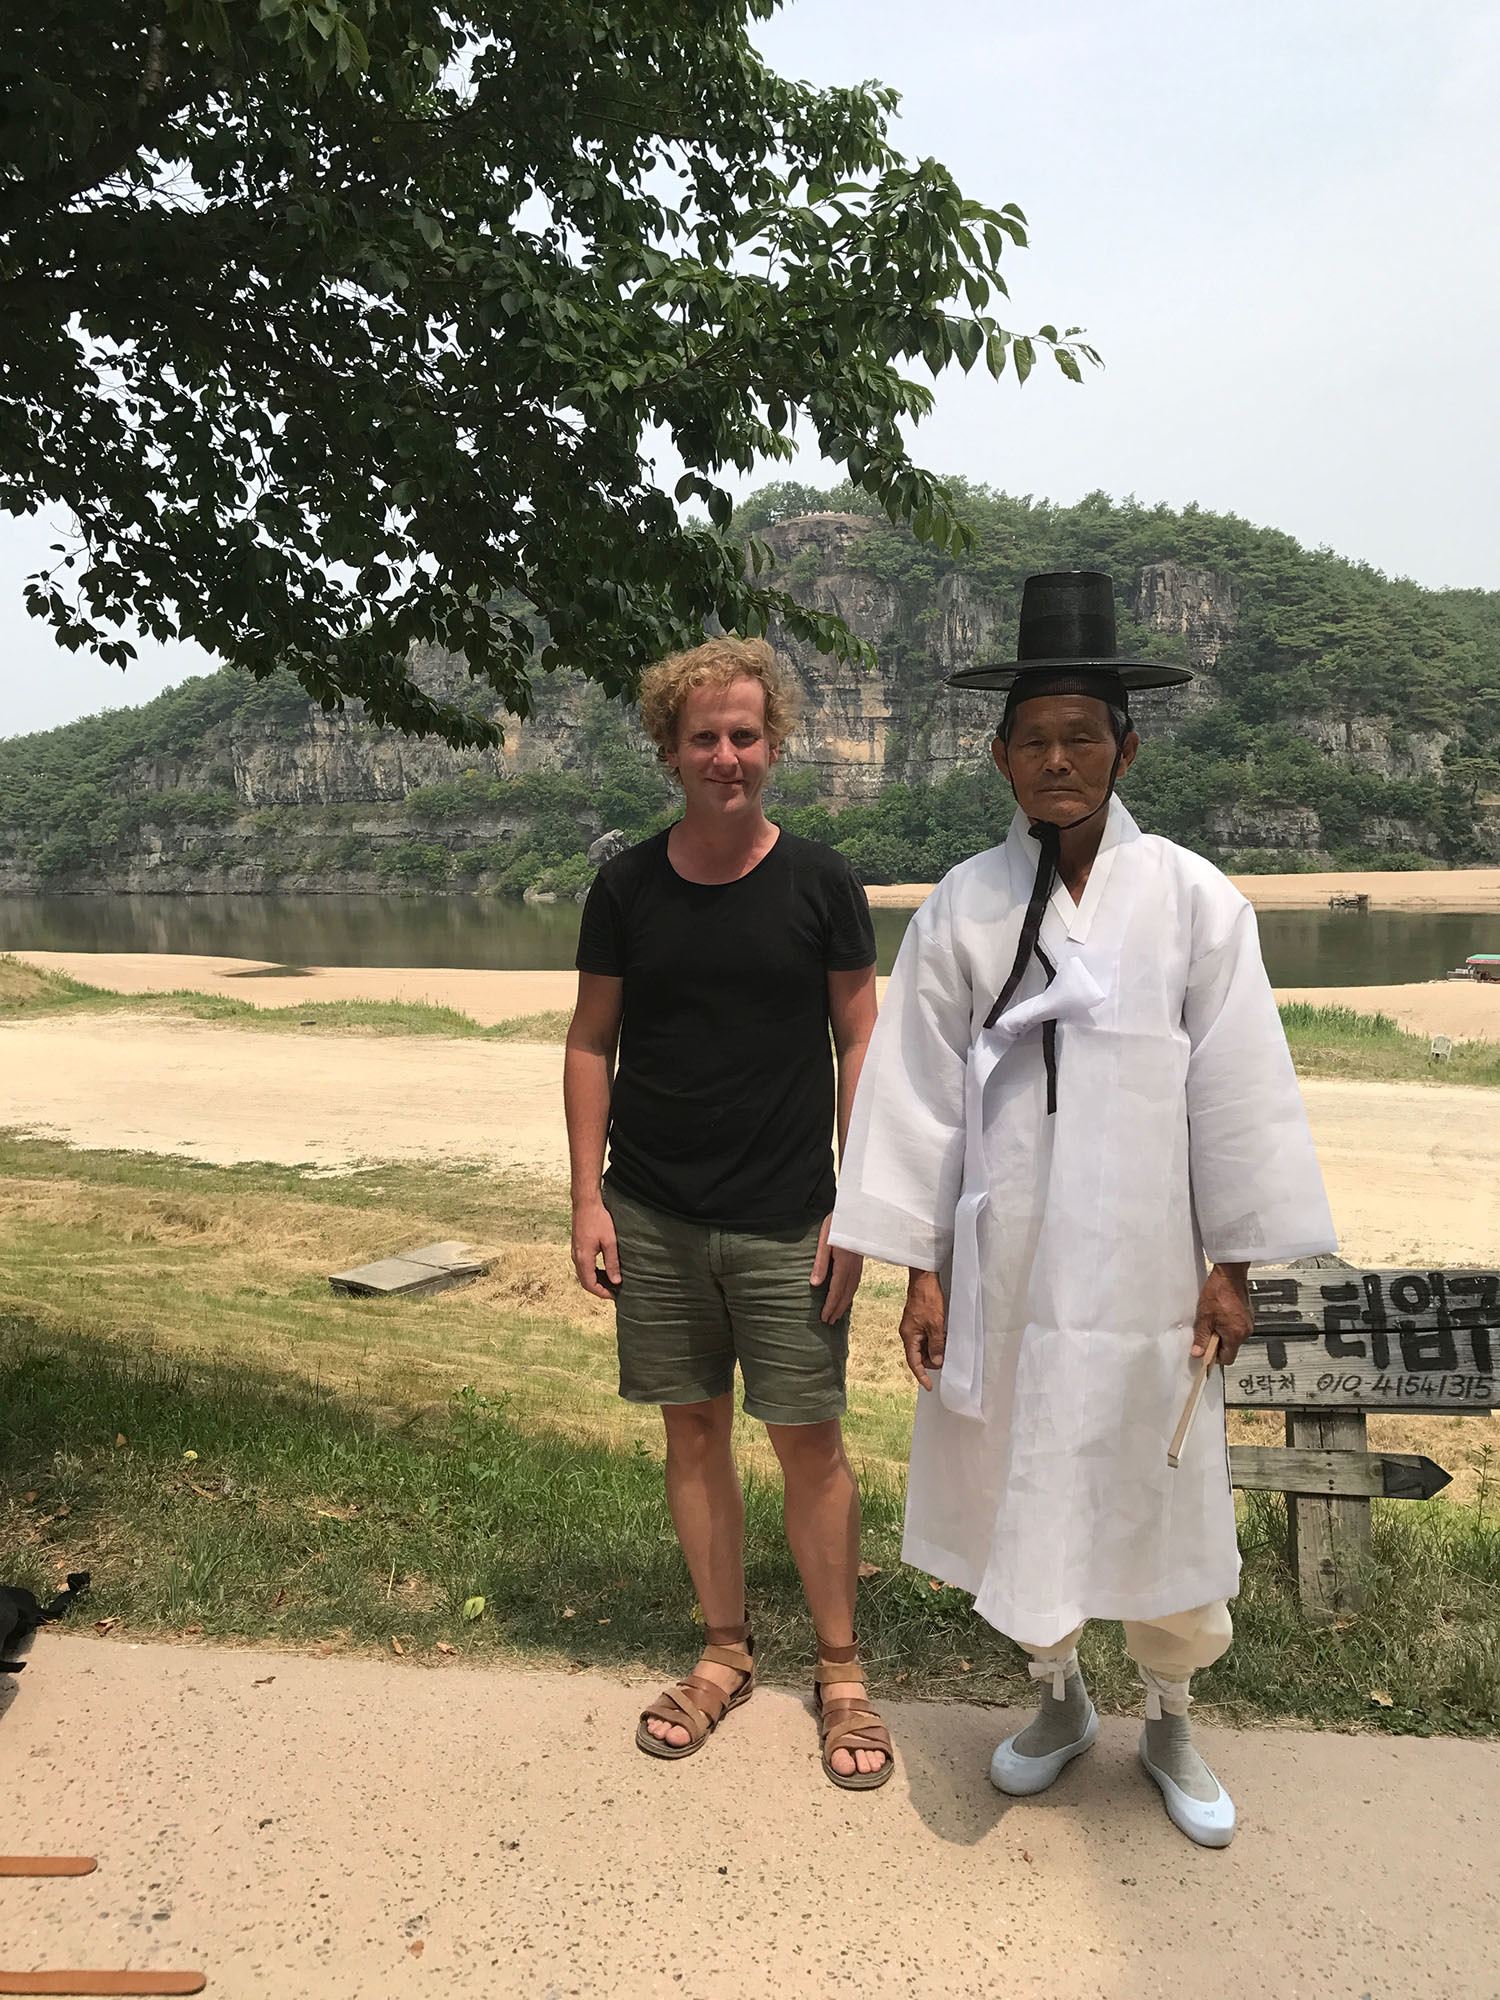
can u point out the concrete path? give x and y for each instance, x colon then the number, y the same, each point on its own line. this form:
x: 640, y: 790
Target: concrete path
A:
x: 321, y: 1829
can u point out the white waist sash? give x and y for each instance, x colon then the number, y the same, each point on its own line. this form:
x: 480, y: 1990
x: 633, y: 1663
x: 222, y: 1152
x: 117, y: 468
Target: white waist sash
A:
x: 1073, y: 995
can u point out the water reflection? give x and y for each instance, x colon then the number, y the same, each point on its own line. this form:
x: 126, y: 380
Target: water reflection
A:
x: 1302, y: 947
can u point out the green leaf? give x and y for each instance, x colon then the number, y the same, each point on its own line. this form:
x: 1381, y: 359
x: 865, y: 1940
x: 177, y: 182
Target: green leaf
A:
x: 1025, y: 357
x: 473, y: 1608
x: 351, y: 52
x: 968, y: 339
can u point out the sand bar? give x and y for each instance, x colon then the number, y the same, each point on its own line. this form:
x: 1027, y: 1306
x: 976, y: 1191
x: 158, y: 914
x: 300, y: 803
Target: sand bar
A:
x: 1476, y: 889
x: 1456, y: 1007
x: 486, y: 996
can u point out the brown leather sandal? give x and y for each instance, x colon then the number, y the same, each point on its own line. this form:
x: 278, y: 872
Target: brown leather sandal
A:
x: 849, y: 1725
x: 698, y: 1705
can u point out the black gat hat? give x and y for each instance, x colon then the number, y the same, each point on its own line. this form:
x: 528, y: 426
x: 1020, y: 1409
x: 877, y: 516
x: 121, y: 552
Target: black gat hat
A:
x: 1067, y: 644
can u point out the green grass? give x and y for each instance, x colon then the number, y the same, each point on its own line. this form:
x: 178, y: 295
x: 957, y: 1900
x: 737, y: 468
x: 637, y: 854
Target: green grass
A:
x: 1340, y: 1041
x: 304, y: 1517
x: 213, y: 1262
x: 31, y: 990
x: 364, y: 1466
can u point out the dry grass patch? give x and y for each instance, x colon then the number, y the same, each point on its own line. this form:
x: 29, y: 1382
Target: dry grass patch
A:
x: 231, y: 1264
x: 21, y: 984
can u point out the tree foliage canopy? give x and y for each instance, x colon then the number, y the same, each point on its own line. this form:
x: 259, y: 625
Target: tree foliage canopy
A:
x: 344, y: 325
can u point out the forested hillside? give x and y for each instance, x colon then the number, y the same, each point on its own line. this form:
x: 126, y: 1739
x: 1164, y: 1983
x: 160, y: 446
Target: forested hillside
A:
x: 1362, y: 710
x: 1338, y: 715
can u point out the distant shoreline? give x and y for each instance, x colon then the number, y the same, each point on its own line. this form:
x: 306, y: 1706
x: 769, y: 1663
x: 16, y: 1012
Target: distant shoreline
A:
x: 1457, y: 890
x: 1455, y: 1007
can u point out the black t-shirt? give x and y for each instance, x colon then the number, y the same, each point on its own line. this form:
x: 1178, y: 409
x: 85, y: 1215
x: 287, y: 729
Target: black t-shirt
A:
x: 723, y: 1101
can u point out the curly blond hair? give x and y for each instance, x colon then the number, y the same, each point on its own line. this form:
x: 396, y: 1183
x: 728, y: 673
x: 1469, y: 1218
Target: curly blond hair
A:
x: 716, y: 663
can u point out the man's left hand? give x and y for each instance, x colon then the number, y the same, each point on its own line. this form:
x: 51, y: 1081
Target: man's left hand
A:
x: 1224, y: 1309
x: 843, y: 1269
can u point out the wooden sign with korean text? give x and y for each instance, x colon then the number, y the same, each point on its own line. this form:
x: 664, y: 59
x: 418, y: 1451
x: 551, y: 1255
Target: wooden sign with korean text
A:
x: 1341, y: 1338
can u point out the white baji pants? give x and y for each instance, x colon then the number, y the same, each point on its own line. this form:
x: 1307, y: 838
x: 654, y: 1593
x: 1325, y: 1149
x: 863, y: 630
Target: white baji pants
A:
x: 1168, y: 1651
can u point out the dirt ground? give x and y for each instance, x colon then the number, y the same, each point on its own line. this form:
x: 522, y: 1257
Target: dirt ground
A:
x: 1456, y: 1007
x: 1412, y: 1168
x: 332, y: 1829
x: 224, y: 1094
x: 1388, y: 889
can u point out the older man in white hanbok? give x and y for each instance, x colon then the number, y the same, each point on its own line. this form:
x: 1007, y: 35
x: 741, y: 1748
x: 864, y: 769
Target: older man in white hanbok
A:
x: 1078, y: 1126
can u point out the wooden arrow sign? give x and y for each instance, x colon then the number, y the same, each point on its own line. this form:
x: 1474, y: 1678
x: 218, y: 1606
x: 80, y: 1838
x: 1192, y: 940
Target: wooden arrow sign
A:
x: 1365, y: 1475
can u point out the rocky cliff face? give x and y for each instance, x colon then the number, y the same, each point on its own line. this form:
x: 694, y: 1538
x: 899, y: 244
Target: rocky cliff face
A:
x: 342, y: 759
x: 902, y: 721
x: 860, y: 730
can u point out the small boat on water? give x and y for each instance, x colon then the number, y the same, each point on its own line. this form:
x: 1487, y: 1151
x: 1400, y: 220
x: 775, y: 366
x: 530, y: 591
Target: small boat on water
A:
x: 1484, y: 965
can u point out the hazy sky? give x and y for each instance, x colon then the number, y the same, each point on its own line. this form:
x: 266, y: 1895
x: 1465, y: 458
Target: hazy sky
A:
x: 1277, y: 221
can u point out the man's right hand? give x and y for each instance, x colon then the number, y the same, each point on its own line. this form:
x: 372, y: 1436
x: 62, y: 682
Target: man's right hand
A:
x: 924, y: 1324
x: 594, y: 1244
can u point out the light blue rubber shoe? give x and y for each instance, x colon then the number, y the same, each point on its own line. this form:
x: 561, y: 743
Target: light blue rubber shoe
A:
x: 1210, y: 1822
x: 1021, y: 1777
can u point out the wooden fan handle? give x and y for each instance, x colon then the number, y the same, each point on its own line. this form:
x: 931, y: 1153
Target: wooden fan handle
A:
x: 47, y: 1864
x: 1195, y: 1396
x: 102, y: 1982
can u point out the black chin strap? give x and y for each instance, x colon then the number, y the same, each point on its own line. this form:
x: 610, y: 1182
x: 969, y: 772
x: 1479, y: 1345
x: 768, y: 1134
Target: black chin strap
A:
x: 1048, y: 835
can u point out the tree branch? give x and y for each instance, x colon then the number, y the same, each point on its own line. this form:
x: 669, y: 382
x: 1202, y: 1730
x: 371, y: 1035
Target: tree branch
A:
x: 150, y: 110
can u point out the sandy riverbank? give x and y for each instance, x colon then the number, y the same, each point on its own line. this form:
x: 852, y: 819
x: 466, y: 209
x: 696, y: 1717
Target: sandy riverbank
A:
x: 1437, y: 1007
x: 1457, y: 1007
x: 1476, y: 889
x: 486, y: 996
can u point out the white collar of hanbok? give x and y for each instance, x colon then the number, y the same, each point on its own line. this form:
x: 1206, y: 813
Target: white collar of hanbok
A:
x: 1075, y: 918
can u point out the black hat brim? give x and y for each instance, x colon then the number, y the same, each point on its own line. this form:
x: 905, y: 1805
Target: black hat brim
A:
x: 1132, y: 673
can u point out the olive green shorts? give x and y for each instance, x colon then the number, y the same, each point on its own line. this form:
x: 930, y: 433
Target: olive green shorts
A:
x: 694, y: 1299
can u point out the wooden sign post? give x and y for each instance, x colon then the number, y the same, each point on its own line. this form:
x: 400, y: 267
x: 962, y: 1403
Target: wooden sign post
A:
x: 1329, y: 1346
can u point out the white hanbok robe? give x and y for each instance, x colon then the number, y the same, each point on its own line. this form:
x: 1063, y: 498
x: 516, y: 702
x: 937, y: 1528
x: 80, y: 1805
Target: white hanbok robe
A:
x: 1072, y: 1246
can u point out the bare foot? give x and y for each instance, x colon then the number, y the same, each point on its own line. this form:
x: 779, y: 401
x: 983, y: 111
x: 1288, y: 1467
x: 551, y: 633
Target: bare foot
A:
x: 847, y: 1762
x: 673, y: 1733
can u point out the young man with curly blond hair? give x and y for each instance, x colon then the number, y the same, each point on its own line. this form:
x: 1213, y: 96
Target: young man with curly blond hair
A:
x: 730, y: 967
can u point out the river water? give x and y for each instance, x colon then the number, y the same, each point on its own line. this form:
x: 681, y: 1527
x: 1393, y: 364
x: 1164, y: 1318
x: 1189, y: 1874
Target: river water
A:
x: 1302, y: 947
